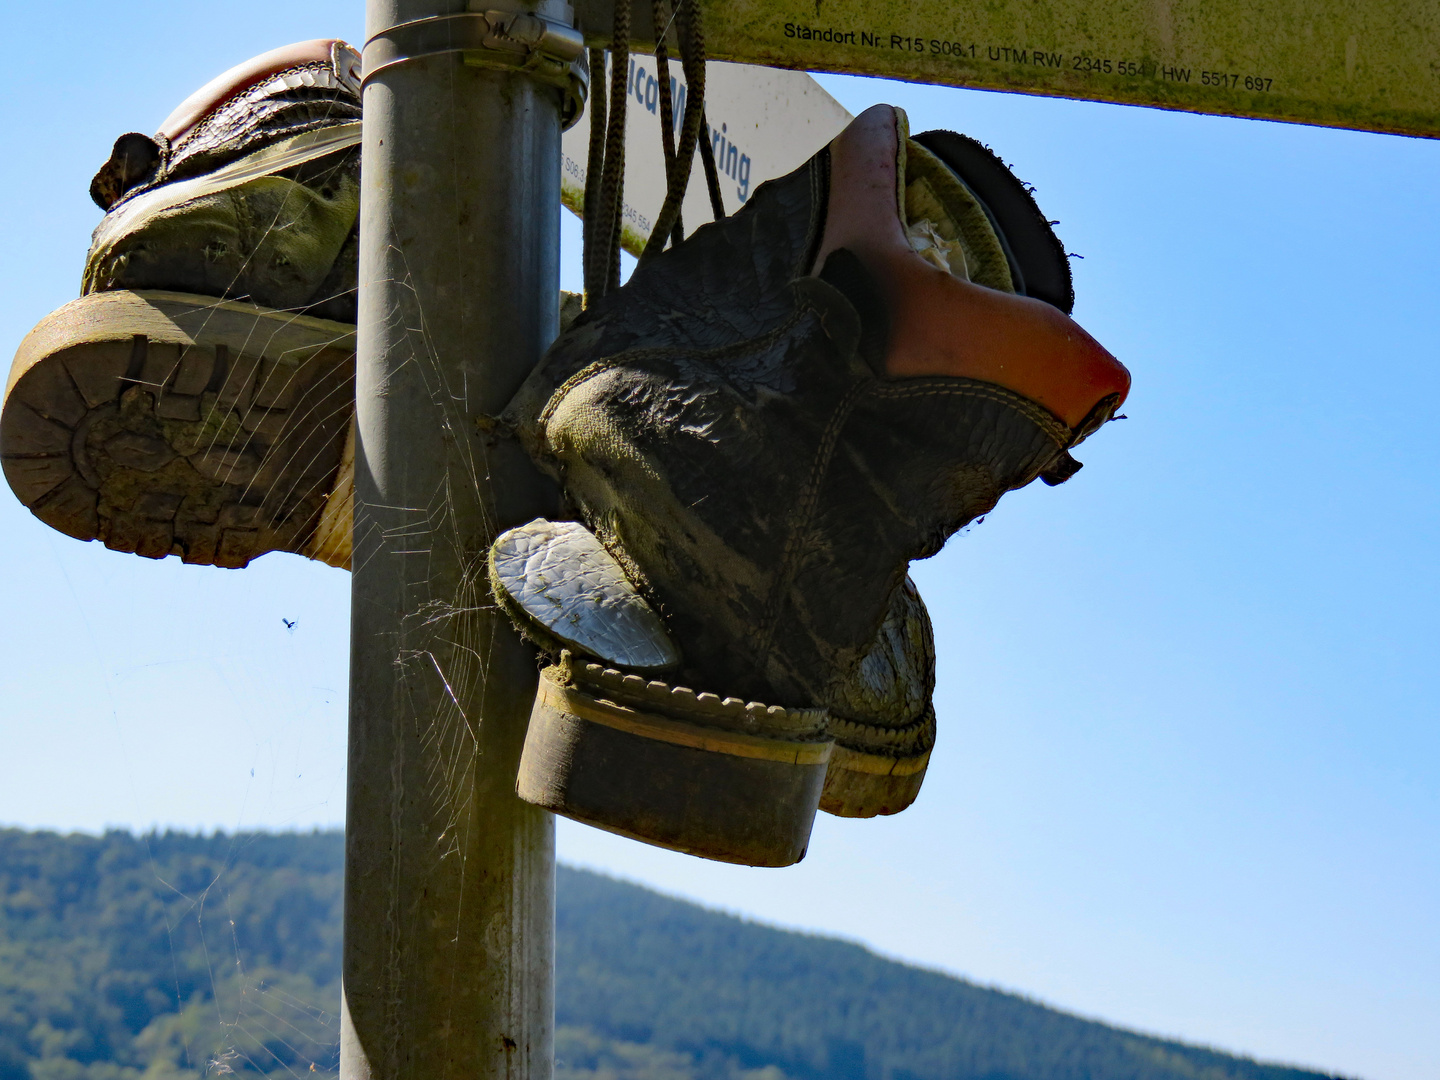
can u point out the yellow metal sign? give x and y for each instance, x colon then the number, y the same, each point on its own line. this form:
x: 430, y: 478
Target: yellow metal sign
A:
x: 1367, y: 64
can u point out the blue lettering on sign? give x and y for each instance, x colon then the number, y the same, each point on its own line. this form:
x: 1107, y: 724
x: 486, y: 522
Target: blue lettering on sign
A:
x: 730, y: 159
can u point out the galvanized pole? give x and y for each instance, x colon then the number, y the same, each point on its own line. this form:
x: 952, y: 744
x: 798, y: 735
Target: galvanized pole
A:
x: 449, y: 878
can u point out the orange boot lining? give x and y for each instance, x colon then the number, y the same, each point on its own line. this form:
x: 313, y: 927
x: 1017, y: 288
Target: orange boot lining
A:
x: 944, y: 325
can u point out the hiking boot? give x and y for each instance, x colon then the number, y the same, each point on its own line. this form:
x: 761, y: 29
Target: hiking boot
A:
x: 773, y: 418
x: 197, y: 399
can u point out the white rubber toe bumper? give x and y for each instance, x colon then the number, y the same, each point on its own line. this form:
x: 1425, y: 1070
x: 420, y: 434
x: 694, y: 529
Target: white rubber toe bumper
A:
x: 559, y: 577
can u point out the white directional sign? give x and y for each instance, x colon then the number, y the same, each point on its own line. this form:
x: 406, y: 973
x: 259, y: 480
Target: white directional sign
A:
x: 765, y: 122
x: 1368, y: 64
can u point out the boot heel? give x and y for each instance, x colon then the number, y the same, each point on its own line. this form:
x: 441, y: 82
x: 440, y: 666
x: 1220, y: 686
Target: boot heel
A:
x: 870, y: 784
x: 723, y: 780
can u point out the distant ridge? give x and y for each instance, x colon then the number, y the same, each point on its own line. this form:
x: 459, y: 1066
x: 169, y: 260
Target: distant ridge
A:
x: 649, y: 969
x: 174, y: 956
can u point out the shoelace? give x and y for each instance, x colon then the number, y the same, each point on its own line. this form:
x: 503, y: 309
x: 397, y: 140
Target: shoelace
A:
x: 605, y: 168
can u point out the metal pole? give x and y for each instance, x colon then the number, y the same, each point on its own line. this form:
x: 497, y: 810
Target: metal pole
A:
x: 449, y: 878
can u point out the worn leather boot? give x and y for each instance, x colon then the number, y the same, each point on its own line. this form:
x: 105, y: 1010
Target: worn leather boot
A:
x: 197, y: 398
x: 772, y: 419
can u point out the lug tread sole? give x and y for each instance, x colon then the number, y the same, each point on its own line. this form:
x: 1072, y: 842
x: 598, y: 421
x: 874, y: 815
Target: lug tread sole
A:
x: 166, y: 423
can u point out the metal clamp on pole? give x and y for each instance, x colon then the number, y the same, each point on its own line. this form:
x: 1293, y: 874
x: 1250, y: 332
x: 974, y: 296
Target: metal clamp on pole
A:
x: 544, y: 49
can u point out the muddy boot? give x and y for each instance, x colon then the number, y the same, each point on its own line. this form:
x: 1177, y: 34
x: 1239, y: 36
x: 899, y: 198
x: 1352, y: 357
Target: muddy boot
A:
x: 771, y: 420
x: 197, y: 399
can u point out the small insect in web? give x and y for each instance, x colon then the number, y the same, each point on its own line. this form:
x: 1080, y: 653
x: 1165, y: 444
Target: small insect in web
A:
x: 289, y: 624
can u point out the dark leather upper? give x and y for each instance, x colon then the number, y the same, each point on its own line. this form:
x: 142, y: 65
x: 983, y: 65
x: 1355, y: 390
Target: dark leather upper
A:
x: 715, y: 423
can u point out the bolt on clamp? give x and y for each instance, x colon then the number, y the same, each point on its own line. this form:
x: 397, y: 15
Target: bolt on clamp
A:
x: 546, y: 50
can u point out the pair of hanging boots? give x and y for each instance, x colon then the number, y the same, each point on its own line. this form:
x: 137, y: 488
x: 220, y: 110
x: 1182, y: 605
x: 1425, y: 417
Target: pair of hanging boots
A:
x: 759, y: 433
x: 756, y: 435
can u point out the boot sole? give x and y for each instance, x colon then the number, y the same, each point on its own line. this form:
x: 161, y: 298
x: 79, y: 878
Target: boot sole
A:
x: 165, y: 423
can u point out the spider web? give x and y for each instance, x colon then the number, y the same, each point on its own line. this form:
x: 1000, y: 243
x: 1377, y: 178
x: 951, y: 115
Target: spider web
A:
x: 252, y: 1016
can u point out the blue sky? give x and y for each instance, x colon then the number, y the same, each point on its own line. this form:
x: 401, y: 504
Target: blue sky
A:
x: 1188, y: 764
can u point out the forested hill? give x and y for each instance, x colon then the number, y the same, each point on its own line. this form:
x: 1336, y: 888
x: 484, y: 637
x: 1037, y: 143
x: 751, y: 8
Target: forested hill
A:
x: 176, y: 956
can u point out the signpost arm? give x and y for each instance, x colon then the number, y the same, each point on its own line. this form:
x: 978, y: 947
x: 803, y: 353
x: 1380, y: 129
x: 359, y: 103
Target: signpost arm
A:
x: 1370, y: 66
x: 449, y: 878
